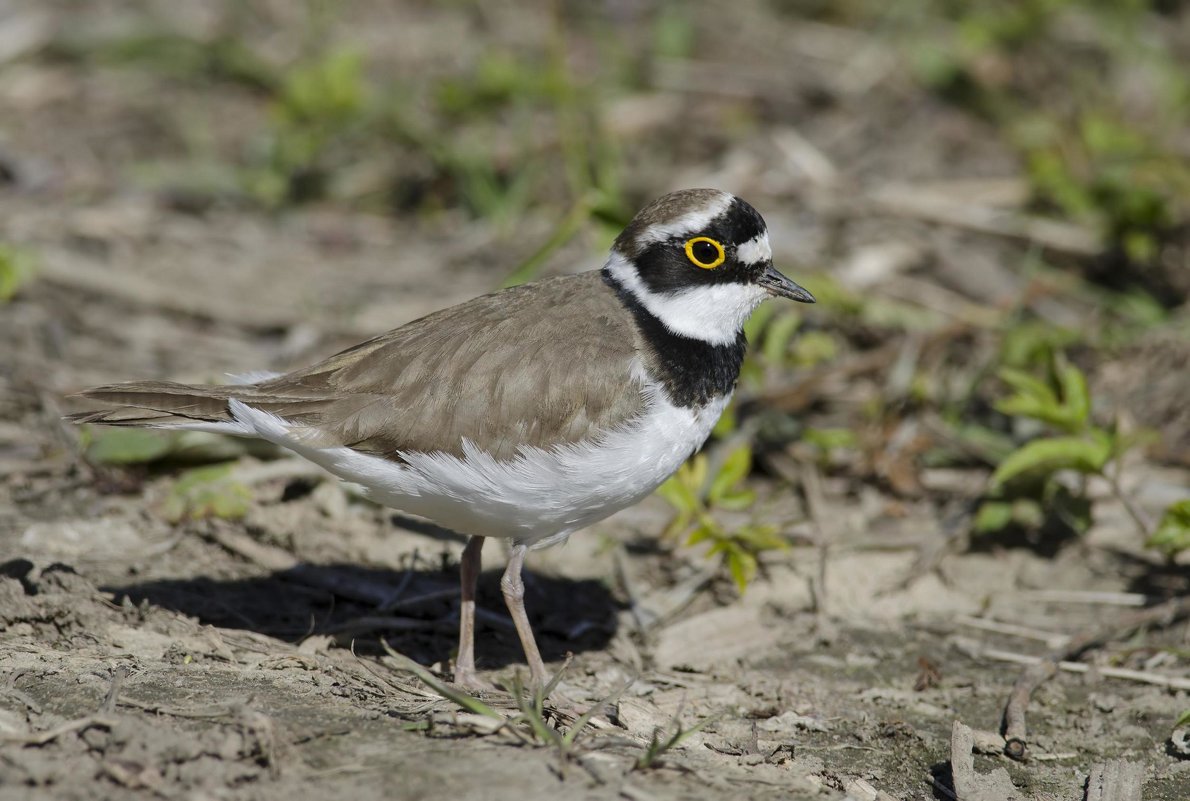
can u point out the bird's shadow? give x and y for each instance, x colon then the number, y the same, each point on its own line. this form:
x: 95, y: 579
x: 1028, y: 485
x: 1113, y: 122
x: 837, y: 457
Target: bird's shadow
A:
x: 420, y: 618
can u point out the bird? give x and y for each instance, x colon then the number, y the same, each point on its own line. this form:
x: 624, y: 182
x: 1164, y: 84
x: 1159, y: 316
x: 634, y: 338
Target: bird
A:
x: 526, y: 414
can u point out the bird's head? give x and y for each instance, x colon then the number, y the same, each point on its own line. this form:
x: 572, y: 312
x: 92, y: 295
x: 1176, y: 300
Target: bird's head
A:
x: 699, y: 260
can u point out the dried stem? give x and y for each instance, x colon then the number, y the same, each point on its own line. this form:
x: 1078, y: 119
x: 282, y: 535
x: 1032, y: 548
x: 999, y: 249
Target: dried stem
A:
x: 1032, y: 677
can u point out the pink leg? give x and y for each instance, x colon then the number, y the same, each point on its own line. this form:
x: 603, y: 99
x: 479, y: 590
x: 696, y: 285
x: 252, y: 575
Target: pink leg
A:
x: 514, y: 597
x: 469, y: 580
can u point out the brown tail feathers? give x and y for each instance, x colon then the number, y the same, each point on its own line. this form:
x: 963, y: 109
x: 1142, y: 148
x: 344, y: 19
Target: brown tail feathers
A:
x: 156, y: 403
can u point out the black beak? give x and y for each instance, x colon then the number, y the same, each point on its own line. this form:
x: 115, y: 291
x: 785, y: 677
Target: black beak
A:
x: 777, y: 284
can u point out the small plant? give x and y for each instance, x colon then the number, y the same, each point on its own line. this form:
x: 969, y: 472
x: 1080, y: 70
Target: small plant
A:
x: 530, y: 724
x: 1088, y: 156
x: 203, y: 492
x: 695, y: 495
x: 1025, y: 488
x: 222, y: 57
x: 138, y: 446
x: 16, y: 269
x: 663, y: 742
x: 1171, y: 537
x: 1098, y: 169
x: 318, y: 107
x: 462, y: 700
x: 532, y: 708
x: 829, y: 442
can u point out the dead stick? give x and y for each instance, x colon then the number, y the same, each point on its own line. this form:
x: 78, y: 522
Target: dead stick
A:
x: 1032, y: 677
x: 815, y: 505
x: 1106, y: 671
x: 42, y: 738
x: 113, y: 694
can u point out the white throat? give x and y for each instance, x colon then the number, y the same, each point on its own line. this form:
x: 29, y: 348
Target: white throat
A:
x: 714, y: 314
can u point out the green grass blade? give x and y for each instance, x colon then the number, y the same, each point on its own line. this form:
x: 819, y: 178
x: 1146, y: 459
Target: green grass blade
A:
x: 457, y: 697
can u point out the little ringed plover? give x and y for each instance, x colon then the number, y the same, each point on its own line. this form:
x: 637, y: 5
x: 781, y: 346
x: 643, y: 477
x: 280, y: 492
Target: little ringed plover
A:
x: 528, y: 413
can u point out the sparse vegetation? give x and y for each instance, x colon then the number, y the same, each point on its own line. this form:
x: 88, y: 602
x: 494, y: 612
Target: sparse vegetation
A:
x: 697, y: 497
x: 1091, y: 155
x: 1026, y: 487
x: 211, y: 491
x: 662, y: 741
x: 16, y: 270
x: 1172, y: 535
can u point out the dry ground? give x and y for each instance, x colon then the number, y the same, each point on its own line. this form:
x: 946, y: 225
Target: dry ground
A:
x: 242, y: 659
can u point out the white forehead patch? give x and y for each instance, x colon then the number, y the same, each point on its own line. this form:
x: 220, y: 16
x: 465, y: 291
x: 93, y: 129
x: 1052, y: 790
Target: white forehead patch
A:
x: 689, y: 223
x: 755, y: 250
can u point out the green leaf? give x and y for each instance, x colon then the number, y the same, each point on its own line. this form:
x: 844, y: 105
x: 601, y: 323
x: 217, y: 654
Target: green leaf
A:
x: 1033, y: 399
x: 325, y: 92
x: 1025, y: 406
x: 461, y: 699
x: 1030, y: 342
x: 1172, y: 535
x: 1182, y: 720
x: 1028, y: 386
x: 695, y: 472
x: 830, y: 438
x: 706, y: 530
x: 1076, y: 398
x: 742, y: 566
x: 1047, y: 456
x: 778, y: 335
x: 727, y: 423
x: 104, y: 445
x: 735, y: 469
x: 755, y: 325
x: 813, y: 348
x: 761, y: 537
x: 678, y: 494
x: 993, y: 516
x: 207, y: 492
x: 127, y: 445
x: 675, y: 527
x: 736, y: 500
x: 1068, y: 406
x: 16, y: 269
x: 674, y: 32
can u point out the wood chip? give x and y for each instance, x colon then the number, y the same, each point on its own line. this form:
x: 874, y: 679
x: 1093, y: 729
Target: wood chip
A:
x: 1115, y: 780
x: 972, y: 786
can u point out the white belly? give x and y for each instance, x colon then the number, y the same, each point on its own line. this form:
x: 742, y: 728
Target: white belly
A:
x: 538, y: 498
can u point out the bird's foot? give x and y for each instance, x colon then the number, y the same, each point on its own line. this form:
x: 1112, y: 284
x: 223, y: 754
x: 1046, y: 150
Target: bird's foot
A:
x: 470, y: 680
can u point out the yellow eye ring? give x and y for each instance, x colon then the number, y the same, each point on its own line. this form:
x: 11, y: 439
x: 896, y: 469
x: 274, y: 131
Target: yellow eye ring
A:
x: 699, y: 260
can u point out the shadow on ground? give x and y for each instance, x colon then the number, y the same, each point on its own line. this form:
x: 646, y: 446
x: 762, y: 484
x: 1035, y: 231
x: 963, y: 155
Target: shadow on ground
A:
x: 420, y: 619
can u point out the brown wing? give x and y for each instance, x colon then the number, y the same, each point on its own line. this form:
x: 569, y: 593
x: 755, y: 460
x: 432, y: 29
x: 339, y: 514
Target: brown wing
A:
x: 543, y: 364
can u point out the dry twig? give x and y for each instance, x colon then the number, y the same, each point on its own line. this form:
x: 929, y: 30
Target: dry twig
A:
x: 1015, y: 730
x: 945, y: 209
x: 1142, y: 676
x: 815, y: 505
x: 1088, y: 597
x: 78, y: 724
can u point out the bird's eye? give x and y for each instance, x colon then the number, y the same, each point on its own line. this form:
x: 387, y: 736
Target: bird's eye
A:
x: 705, y: 252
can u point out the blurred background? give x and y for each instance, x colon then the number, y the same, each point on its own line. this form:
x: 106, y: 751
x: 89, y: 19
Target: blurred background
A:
x: 979, y: 435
